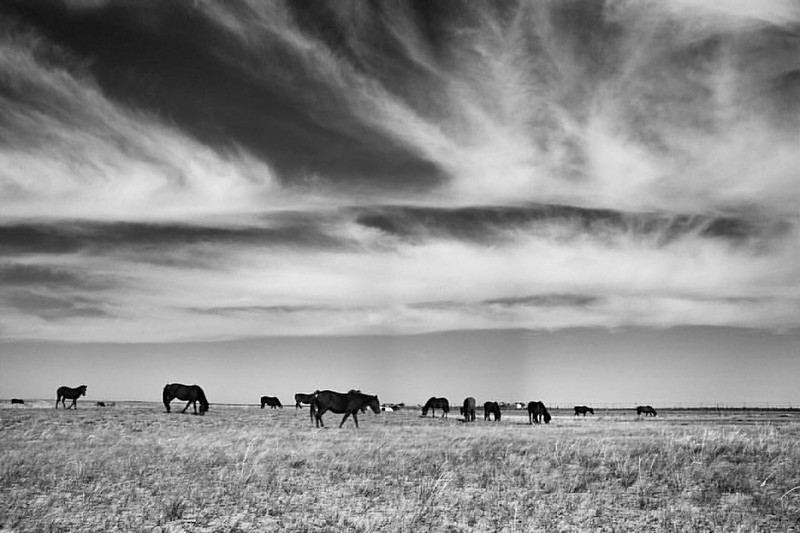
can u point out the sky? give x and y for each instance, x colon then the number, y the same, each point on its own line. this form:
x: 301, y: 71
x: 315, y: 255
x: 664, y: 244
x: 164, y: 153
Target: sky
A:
x: 513, y: 200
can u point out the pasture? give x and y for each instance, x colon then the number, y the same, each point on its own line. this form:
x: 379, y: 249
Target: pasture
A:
x: 132, y: 467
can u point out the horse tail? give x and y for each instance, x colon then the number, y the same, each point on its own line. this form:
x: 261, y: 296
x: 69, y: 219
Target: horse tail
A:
x: 201, y: 397
x: 166, y: 397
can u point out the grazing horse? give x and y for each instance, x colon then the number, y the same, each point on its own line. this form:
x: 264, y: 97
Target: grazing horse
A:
x: 537, y: 412
x: 646, y: 409
x: 68, y: 393
x: 272, y: 401
x: 436, y: 403
x: 300, y: 399
x: 100, y: 404
x: 491, y: 408
x: 17, y: 401
x: 582, y: 410
x: 468, y: 409
x: 188, y: 393
x: 349, y: 403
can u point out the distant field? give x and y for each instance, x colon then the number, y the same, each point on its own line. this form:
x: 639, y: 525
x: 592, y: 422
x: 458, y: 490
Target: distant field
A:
x: 131, y: 467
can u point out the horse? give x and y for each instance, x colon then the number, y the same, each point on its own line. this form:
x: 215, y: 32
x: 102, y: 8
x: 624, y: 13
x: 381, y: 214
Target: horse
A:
x: 349, y: 403
x: 272, y: 401
x: 100, y: 404
x: 491, y: 408
x: 646, y: 409
x: 188, y: 393
x: 538, y: 412
x: 68, y: 393
x: 582, y: 410
x: 436, y: 403
x: 17, y: 401
x: 301, y: 398
x: 468, y: 409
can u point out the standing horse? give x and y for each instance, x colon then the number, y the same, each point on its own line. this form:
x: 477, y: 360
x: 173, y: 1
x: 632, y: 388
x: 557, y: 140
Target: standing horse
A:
x: 646, y: 409
x: 491, y: 408
x: 349, y: 403
x: 300, y: 399
x: 537, y: 412
x: 188, y: 393
x: 68, y: 393
x: 18, y: 401
x: 582, y: 410
x: 468, y: 409
x: 272, y: 401
x: 434, y: 403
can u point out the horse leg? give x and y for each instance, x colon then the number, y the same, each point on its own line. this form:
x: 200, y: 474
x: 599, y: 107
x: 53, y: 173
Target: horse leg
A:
x: 187, y: 406
x: 57, y: 400
x: 166, y: 404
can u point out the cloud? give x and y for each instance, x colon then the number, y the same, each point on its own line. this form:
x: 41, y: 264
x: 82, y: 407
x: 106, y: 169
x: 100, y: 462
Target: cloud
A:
x: 345, y: 168
x: 640, y: 105
x: 570, y: 268
x: 68, y: 151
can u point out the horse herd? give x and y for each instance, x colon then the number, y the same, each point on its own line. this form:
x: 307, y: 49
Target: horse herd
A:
x: 347, y: 403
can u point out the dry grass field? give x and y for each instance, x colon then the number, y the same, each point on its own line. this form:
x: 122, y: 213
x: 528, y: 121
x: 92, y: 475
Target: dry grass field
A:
x: 131, y: 467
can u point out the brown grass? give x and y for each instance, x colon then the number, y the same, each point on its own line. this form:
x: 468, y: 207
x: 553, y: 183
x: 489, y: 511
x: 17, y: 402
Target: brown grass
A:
x: 244, y: 469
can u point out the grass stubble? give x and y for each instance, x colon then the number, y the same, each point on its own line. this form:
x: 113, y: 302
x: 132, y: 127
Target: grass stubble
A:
x: 241, y: 469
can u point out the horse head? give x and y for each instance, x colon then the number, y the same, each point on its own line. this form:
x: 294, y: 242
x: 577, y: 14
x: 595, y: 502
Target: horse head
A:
x: 374, y: 404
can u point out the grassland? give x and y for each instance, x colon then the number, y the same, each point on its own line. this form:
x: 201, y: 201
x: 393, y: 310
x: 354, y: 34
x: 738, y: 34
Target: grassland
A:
x: 241, y: 469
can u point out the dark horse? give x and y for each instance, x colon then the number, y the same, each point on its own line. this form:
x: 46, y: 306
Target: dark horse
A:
x: 300, y: 399
x: 582, y: 410
x: 468, y: 409
x: 188, y: 393
x: 491, y: 408
x: 646, y: 409
x: 349, y: 403
x: 19, y: 401
x: 68, y: 393
x: 436, y: 403
x: 272, y: 401
x: 537, y: 412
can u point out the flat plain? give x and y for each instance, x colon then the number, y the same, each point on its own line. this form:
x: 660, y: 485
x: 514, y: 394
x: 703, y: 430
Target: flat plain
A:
x: 132, y: 467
